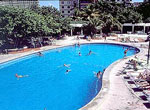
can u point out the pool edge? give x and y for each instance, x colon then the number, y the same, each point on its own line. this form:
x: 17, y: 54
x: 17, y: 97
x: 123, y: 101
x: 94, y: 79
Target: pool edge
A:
x: 98, y: 100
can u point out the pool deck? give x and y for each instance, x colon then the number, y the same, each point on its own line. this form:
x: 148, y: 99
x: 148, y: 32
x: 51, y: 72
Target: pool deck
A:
x: 115, y: 94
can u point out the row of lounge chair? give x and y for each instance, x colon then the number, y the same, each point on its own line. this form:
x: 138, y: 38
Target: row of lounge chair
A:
x: 137, y: 76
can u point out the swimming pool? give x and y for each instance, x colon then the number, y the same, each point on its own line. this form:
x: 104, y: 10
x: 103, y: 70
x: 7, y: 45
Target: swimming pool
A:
x: 48, y: 85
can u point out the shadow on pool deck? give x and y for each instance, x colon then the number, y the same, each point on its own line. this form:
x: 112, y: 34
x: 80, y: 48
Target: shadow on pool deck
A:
x: 131, y: 82
x: 143, y: 97
x: 137, y: 89
x: 147, y: 105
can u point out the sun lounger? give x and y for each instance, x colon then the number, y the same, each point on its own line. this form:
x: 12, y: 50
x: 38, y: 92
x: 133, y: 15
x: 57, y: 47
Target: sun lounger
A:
x: 141, y: 80
x: 140, y: 77
x: 136, y: 40
x: 145, y: 86
x: 139, y: 61
x: 133, y: 39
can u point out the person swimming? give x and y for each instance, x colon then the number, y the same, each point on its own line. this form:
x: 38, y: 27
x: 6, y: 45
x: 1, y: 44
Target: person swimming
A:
x: 79, y: 54
x: 125, y: 52
x: 67, y: 71
x: 67, y: 65
x: 104, y: 70
x: 90, y: 52
x: 98, y: 74
x: 39, y: 54
x: 20, y: 76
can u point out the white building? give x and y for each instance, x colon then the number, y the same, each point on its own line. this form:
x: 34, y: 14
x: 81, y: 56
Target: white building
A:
x: 67, y: 7
x: 19, y: 3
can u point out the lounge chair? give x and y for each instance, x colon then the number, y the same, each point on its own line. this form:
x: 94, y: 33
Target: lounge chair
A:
x: 139, y: 61
x: 140, y: 77
x: 135, y: 40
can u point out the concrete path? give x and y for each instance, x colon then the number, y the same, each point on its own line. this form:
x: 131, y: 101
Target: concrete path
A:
x: 119, y: 97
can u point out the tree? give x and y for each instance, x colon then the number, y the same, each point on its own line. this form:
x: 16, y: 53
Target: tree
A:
x: 89, y: 12
x: 93, y: 25
x: 110, y: 22
x: 21, y: 24
x: 147, y: 20
x: 144, y: 9
x: 128, y: 15
x: 53, y: 18
x: 111, y: 13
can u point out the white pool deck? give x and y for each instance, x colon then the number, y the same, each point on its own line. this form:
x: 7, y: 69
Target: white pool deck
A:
x: 115, y: 95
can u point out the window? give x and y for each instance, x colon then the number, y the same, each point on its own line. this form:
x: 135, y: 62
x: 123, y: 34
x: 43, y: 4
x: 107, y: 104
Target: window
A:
x: 62, y: 2
x: 62, y: 6
x: 68, y: 11
x: 68, y: 6
x: 62, y: 11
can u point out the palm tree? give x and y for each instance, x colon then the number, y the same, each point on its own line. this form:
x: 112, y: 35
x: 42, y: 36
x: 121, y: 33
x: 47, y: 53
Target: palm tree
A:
x: 110, y: 22
x: 94, y: 24
x: 90, y: 12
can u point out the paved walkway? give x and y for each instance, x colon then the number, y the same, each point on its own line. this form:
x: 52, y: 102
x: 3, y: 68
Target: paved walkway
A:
x: 117, y: 96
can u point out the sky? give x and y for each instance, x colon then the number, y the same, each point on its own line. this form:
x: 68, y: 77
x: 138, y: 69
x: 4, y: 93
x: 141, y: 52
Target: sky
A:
x: 55, y: 3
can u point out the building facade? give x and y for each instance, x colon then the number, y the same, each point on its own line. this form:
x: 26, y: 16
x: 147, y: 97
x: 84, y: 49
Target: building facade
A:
x: 67, y: 7
x: 19, y: 3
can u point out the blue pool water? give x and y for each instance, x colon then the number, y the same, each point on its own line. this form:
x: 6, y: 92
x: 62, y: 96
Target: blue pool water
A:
x: 48, y: 86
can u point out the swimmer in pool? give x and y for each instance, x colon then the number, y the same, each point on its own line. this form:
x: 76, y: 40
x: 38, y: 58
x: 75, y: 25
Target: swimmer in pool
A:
x: 20, y: 76
x: 79, y: 54
x: 67, y: 71
x: 78, y: 44
x: 90, y: 52
x: 67, y: 65
x: 98, y: 74
x: 125, y: 52
x: 39, y: 54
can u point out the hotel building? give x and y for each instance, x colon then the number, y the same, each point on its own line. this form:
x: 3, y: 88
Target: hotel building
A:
x: 19, y: 3
x: 67, y: 7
